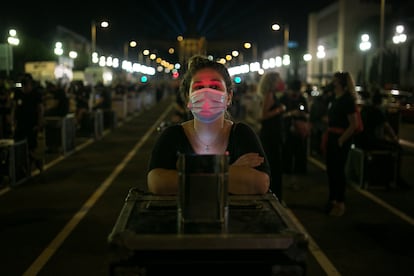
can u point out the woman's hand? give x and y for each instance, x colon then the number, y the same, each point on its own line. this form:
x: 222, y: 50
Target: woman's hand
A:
x: 251, y: 160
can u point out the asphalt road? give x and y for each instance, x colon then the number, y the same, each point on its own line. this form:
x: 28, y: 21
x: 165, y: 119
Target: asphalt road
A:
x: 58, y: 221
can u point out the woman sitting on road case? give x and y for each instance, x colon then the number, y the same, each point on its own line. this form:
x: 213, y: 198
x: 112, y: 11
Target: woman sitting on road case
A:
x: 207, y: 88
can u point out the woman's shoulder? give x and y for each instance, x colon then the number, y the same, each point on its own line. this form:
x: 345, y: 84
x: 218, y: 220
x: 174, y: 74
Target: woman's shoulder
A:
x: 349, y: 97
x: 241, y: 127
x: 174, y: 130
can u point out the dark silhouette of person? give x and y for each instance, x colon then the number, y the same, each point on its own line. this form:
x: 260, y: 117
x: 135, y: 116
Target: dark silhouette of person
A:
x: 296, y: 129
x: 342, y: 123
x: 271, y: 87
x: 378, y: 134
x: 58, y: 93
x: 318, y: 118
x: 28, y: 115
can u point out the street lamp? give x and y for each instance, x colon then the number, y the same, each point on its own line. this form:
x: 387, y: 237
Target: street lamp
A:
x: 253, y: 46
x: 285, y: 56
x: 103, y: 24
x: 277, y: 27
x: 58, y: 50
x: 12, y: 40
x: 307, y: 57
x: 398, y: 38
x: 131, y: 44
x: 73, y: 54
x: 320, y: 54
x: 364, y: 46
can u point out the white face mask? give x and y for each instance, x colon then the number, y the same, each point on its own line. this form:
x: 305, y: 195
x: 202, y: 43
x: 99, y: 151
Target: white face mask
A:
x: 207, y: 104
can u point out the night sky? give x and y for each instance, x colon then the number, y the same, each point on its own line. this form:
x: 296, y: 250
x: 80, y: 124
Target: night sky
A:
x: 229, y: 20
x: 164, y: 20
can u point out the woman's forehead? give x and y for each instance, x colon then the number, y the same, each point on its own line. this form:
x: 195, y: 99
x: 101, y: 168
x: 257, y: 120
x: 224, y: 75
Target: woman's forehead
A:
x: 207, y: 75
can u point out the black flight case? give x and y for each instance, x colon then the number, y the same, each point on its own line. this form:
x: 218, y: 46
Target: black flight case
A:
x: 258, y: 238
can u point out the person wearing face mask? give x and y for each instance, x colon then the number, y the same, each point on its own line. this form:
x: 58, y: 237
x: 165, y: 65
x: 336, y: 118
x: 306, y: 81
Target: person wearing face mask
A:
x: 207, y: 88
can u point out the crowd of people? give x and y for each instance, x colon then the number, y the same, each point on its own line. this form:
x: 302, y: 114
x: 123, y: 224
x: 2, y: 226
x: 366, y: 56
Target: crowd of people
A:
x: 267, y: 127
x: 26, y: 104
x: 282, y: 122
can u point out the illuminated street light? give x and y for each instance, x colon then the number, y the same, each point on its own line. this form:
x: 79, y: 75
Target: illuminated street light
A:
x: 364, y: 46
x: 321, y: 52
x: 399, y: 36
x: 73, y: 54
x: 131, y: 44
x: 286, y: 60
x: 277, y: 27
x: 307, y: 57
x: 103, y: 24
x: 253, y: 46
x: 13, y: 39
x: 58, y: 49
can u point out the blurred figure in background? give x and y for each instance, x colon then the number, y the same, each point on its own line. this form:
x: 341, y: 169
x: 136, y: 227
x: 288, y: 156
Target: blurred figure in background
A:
x: 378, y: 134
x: 180, y: 113
x: 102, y: 97
x: 252, y: 103
x: 342, y: 122
x: 81, y: 94
x: 296, y: 128
x: 58, y: 97
x: 5, y: 110
x: 28, y: 117
x: 272, y: 88
x: 318, y: 118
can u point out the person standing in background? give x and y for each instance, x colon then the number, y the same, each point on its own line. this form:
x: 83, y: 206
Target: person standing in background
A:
x: 318, y: 119
x: 28, y: 116
x: 297, y: 130
x: 378, y: 134
x: 272, y: 87
x: 252, y: 103
x: 342, y: 122
x: 5, y: 110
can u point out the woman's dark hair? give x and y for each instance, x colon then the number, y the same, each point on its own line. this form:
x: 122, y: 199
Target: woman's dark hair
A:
x: 197, y: 63
x: 342, y: 77
x: 347, y: 82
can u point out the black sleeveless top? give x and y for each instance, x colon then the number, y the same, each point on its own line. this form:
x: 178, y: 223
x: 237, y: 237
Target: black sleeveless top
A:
x: 173, y: 141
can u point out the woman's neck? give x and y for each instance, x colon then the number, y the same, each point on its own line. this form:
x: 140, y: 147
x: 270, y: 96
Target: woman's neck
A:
x: 339, y: 93
x: 209, y: 138
x: 208, y: 128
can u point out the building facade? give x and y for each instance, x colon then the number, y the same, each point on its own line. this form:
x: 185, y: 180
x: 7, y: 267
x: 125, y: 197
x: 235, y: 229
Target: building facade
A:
x: 334, y: 34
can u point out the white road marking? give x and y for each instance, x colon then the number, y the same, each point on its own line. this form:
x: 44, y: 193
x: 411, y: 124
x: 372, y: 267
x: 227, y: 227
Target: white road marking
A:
x: 48, y: 252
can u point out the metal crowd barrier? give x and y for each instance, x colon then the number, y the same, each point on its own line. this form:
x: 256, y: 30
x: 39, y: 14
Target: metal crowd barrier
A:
x: 60, y: 134
x: 14, y: 162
